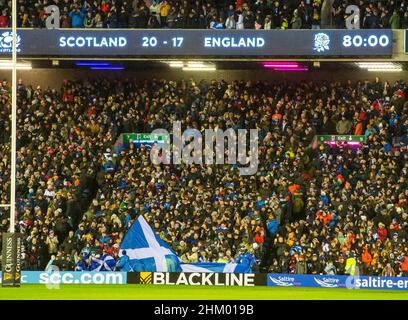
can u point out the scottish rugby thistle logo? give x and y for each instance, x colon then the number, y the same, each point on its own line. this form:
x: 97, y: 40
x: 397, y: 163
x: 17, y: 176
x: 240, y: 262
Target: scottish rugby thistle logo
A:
x: 6, y: 42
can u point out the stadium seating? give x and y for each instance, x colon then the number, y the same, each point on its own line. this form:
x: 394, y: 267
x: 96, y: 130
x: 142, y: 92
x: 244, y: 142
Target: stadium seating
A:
x: 309, y: 208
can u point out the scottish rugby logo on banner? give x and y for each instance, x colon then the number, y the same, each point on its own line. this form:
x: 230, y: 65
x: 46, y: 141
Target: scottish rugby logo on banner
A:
x: 6, y: 42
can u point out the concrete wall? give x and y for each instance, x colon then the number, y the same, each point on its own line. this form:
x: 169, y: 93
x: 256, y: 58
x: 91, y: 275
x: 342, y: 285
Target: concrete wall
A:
x: 53, y: 77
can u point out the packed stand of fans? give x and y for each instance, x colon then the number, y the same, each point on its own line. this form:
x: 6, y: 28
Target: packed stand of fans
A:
x: 311, y: 208
x: 60, y: 139
x: 202, y: 14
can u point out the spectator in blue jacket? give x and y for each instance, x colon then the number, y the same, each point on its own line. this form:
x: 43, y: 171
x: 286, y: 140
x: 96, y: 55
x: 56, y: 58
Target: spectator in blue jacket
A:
x: 123, y: 261
x: 333, y: 221
x: 272, y: 225
x: 109, y: 166
x: 245, y: 258
x: 104, y: 238
x: 77, y: 17
x: 82, y: 264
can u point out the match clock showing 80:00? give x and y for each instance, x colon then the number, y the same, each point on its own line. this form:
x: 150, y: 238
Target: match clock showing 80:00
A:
x: 372, y: 41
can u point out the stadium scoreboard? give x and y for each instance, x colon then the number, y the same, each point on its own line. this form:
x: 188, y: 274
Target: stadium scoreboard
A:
x: 198, y: 43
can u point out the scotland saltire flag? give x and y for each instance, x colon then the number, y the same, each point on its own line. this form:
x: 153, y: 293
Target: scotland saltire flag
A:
x: 146, y: 251
x: 105, y: 263
x: 217, y: 267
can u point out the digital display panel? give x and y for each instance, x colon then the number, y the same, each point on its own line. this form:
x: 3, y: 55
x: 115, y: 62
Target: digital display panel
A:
x: 200, y: 43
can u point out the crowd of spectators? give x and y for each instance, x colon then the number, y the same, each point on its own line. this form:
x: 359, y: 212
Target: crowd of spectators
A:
x: 310, y: 208
x: 202, y: 14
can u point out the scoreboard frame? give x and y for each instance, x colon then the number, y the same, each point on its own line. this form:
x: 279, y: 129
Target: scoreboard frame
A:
x: 156, y: 43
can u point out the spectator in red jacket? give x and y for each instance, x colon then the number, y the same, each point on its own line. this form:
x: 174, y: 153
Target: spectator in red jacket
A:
x: 323, y: 216
x: 366, y: 257
x: 382, y: 232
x: 105, y: 7
x: 4, y: 20
x: 404, y: 267
x: 67, y: 96
x: 239, y: 4
x: 259, y: 235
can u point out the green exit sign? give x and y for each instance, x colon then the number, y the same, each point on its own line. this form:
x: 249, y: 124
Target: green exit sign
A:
x: 148, y: 138
x: 341, y: 138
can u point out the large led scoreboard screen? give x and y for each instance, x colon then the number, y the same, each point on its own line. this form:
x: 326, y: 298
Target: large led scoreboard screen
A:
x: 201, y: 43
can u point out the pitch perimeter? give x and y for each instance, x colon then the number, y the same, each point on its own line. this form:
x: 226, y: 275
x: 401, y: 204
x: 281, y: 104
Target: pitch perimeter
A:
x: 163, y: 292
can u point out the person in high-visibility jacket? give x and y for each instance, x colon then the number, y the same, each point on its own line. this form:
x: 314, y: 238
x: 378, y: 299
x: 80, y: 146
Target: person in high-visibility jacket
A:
x: 221, y: 258
x: 350, y: 267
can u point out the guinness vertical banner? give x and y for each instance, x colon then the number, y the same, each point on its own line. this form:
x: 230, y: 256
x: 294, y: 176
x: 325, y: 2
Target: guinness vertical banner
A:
x: 11, y: 256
